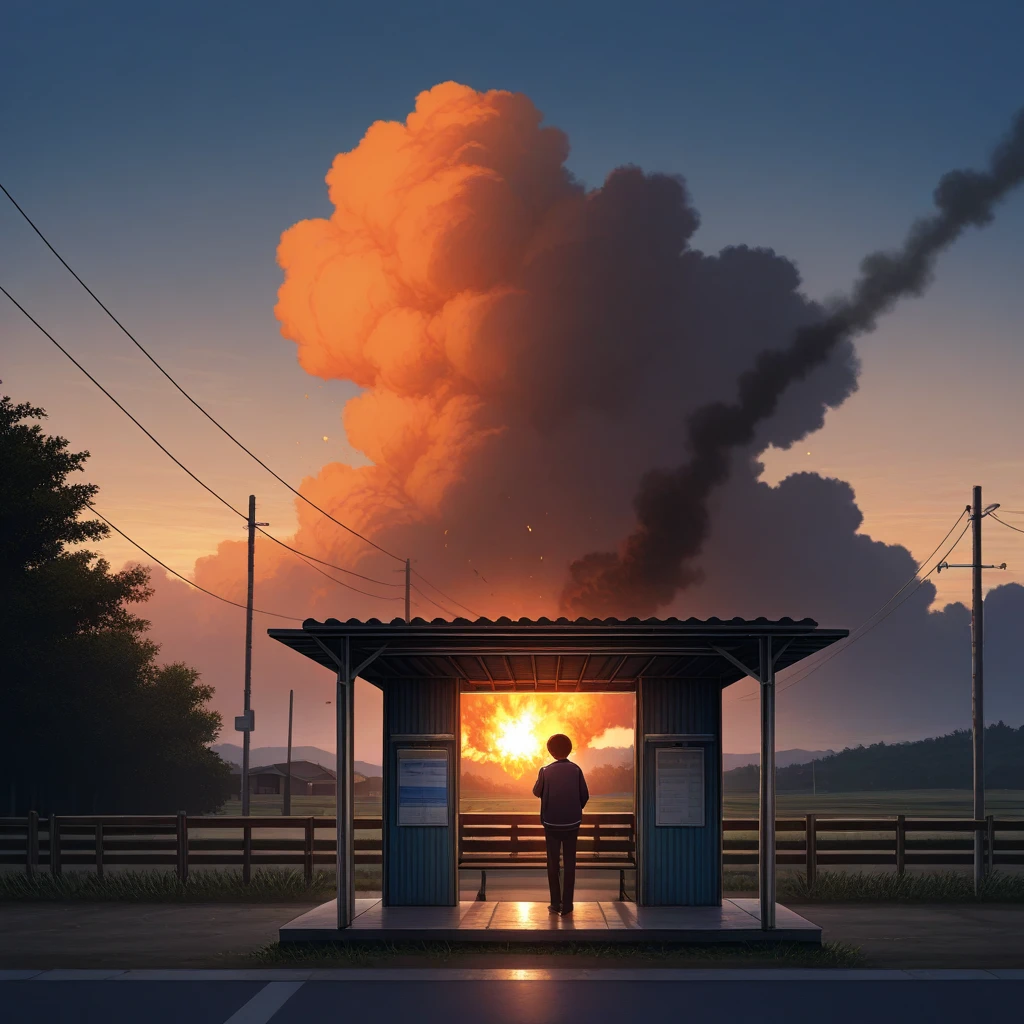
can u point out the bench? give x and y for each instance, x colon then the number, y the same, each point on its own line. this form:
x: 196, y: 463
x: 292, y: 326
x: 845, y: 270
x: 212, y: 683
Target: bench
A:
x: 498, y: 842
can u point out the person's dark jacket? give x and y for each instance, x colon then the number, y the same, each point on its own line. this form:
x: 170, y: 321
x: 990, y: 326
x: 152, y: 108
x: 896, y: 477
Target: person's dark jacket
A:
x: 563, y: 795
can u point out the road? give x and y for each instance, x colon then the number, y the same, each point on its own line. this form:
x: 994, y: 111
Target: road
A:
x: 430, y: 996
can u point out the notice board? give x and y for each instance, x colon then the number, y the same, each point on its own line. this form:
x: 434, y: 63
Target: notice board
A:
x: 423, y: 796
x: 679, y: 787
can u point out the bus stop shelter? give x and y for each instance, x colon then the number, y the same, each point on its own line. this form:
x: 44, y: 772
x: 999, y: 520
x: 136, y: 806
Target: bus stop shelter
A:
x: 678, y: 670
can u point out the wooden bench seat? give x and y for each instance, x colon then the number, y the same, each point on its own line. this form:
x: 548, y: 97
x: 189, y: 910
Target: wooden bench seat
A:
x: 500, y: 842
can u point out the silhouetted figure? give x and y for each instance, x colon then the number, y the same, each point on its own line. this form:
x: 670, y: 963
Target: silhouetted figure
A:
x: 563, y: 795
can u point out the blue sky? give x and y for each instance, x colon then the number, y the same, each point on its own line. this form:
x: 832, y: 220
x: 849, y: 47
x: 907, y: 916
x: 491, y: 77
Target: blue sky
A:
x: 165, y: 146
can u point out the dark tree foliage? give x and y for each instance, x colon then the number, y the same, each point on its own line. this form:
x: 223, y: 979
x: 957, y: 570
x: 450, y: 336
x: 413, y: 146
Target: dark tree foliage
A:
x: 942, y: 762
x: 89, y: 723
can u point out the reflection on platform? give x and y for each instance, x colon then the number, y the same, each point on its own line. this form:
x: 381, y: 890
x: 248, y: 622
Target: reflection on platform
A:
x: 736, y: 920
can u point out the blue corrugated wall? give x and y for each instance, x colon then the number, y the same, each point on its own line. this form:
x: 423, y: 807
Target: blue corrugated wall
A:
x: 680, y: 866
x: 419, y: 862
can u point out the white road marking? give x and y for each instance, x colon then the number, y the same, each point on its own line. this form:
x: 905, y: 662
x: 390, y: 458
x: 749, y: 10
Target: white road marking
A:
x: 265, y: 1003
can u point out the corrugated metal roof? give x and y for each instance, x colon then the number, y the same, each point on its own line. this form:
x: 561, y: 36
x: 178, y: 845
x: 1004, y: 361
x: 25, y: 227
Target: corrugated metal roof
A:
x: 558, y: 655
x: 504, y: 620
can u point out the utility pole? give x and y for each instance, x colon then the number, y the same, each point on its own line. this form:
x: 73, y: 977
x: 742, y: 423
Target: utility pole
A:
x: 408, y: 588
x: 246, y: 723
x: 288, y: 777
x: 978, y: 688
x: 977, y: 513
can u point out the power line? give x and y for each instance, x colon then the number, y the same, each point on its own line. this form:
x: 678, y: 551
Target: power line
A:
x: 330, y: 565
x: 185, y: 579
x: 1016, y: 529
x: 437, y: 604
x: 131, y: 337
x: 447, y: 597
x: 341, y: 583
x: 206, y: 487
x: 227, y: 433
x: 861, y: 630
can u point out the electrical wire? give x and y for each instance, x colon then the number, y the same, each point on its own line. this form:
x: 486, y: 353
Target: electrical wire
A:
x: 1016, y: 529
x: 227, y: 433
x: 447, y: 597
x: 185, y: 579
x: 437, y: 604
x: 131, y: 337
x: 864, y: 628
x: 206, y: 487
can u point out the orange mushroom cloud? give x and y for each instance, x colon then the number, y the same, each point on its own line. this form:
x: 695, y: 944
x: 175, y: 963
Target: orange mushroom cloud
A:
x: 398, y: 291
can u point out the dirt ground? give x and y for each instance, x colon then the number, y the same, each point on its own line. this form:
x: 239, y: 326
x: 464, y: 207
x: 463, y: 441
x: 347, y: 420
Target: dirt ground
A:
x: 93, y: 935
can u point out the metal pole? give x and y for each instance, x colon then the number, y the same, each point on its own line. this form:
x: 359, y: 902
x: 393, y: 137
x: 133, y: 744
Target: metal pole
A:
x: 288, y: 777
x: 977, y: 691
x: 344, y: 858
x: 766, y: 837
x: 408, y: 588
x: 248, y: 652
x: 350, y: 746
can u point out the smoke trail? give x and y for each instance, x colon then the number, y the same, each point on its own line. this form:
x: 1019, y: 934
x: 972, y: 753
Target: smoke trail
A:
x: 672, y: 505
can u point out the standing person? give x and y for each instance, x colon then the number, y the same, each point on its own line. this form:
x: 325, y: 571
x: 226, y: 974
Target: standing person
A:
x: 563, y: 795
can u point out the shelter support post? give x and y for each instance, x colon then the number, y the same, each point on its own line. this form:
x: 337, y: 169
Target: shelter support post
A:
x: 344, y: 707
x: 766, y: 822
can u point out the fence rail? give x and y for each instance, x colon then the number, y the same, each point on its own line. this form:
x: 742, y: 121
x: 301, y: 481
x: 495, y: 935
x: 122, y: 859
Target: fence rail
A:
x: 183, y: 842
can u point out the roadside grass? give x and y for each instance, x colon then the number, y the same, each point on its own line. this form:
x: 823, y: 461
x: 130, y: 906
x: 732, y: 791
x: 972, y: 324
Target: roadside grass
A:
x: 288, y: 886
x: 164, y: 887
x: 363, y: 954
x: 934, y: 887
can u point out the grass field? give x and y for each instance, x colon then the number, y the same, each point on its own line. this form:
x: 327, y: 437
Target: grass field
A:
x: 914, y: 803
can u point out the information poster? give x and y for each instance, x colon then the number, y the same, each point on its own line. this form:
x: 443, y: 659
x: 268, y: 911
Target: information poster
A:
x: 423, y: 787
x: 679, y: 786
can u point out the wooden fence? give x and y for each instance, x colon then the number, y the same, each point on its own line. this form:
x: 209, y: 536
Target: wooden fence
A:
x: 184, y: 842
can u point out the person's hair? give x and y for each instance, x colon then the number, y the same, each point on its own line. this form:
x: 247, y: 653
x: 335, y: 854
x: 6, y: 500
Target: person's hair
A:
x: 559, y: 745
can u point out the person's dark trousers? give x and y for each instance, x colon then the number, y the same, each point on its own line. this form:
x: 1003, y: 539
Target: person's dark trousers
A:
x: 561, y: 841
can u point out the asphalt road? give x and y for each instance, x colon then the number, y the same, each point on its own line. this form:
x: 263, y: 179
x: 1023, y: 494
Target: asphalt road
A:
x: 424, y: 997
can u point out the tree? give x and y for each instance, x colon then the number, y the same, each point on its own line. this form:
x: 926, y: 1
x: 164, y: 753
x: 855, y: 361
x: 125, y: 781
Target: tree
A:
x: 90, y: 722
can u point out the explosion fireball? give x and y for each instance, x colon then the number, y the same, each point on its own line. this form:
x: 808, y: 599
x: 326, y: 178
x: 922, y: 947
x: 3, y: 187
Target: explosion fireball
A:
x: 512, y: 729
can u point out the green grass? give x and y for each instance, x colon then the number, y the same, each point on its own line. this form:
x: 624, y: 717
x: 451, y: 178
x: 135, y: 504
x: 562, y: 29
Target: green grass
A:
x: 362, y: 954
x: 914, y: 803
x: 933, y: 887
x: 267, y: 805
x: 265, y: 886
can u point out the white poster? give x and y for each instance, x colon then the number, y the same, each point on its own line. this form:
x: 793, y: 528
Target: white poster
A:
x: 679, y: 786
x: 422, y: 787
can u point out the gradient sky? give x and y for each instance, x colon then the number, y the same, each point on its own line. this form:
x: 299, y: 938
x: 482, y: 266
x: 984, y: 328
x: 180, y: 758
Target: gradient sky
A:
x: 164, y: 148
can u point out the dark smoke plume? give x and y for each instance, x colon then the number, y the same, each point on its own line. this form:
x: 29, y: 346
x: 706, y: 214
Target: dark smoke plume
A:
x: 672, y: 505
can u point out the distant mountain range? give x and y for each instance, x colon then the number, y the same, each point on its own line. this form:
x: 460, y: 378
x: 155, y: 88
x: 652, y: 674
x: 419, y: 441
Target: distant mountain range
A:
x: 259, y: 756
x: 940, y: 762
x: 587, y: 759
x: 783, y: 758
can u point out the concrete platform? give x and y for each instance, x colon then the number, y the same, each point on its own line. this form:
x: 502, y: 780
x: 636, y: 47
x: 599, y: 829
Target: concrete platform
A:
x: 736, y: 920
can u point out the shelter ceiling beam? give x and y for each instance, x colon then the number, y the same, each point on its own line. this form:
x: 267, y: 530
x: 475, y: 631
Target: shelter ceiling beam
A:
x: 618, y: 668
x: 583, y: 671
x: 330, y: 654
x: 745, y: 669
x: 367, y: 662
